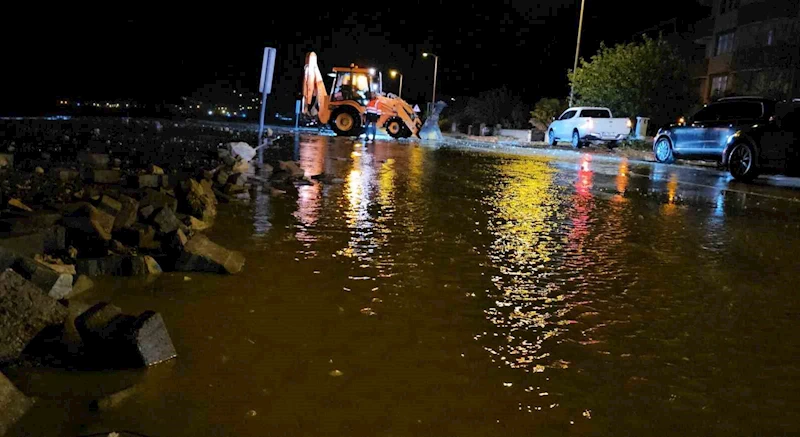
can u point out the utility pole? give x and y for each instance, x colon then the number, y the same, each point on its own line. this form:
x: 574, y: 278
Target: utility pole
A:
x: 435, y: 72
x: 577, y: 52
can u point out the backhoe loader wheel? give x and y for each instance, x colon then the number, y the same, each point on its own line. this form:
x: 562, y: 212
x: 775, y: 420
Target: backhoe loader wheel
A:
x: 346, y: 122
x: 395, y: 128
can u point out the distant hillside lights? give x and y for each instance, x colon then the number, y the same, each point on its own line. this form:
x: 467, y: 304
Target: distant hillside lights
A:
x: 107, y: 105
x: 213, y: 110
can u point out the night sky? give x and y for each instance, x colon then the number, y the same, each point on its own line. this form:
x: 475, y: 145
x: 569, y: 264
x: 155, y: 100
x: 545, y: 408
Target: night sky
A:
x: 150, y: 54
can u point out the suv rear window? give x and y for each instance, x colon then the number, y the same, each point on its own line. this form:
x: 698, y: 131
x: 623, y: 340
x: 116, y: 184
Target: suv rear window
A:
x: 595, y: 113
x: 730, y: 111
x: 740, y: 110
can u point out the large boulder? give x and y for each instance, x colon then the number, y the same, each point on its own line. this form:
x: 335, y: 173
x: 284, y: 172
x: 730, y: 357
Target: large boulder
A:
x: 13, y: 405
x: 203, y: 255
x: 25, y: 310
x: 57, y: 285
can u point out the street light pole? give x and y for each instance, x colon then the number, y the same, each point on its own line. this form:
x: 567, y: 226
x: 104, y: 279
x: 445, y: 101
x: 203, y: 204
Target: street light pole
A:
x: 577, y: 52
x: 394, y: 73
x: 435, y: 73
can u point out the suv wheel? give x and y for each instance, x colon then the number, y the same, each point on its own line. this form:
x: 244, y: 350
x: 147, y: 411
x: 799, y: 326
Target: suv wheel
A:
x: 742, y: 162
x: 663, y: 151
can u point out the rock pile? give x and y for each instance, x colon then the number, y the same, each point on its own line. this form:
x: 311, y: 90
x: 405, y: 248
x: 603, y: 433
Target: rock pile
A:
x: 121, y: 205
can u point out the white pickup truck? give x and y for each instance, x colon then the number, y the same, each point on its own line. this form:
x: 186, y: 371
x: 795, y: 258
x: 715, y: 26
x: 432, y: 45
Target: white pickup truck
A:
x: 584, y: 125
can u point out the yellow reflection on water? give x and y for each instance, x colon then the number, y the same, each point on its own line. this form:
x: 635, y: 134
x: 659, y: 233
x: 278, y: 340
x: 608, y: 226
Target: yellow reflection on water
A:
x: 672, y: 188
x: 524, y: 224
x: 365, y: 188
x: 312, y: 160
x: 622, y: 179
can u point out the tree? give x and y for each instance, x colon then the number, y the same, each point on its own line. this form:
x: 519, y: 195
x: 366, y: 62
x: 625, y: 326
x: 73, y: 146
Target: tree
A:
x: 497, y: 106
x: 647, y: 78
x: 544, y: 111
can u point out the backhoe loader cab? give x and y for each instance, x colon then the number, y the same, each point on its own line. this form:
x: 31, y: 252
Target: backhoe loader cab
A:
x: 344, y: 108
x: 353, y: 84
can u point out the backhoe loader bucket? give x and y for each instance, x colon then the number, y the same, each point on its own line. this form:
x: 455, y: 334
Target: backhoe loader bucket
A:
x: 430, y: 129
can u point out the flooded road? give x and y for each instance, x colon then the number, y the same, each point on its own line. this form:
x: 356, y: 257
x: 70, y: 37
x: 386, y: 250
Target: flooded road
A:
x: 458, y: 293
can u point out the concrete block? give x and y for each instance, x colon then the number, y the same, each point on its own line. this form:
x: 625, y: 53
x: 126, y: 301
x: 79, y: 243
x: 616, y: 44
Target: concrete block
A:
x: 27, y: 310
x: 48, y: 240
x: 109, y: 205
x: 106, y: 176
x: 158, y: 199
x: 65, y: 174
x: 28, y: 223
x: 149, y: 180
x: 151, y: 340
x: 126, y: 216
x: 118, y: 265
x: 54, y: 284
x: 196, y: 224
x: 13, y: 405
x: 165, y: 221
x: 202, y: 255
x: 91, y: 221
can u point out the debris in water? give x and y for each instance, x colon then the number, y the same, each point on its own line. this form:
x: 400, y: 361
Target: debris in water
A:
x: 186, y: 278
x: 335, y: 372
x: 587, y: 414
x: 508, y: 384
x: 251, y: 413
x: 368, y: 311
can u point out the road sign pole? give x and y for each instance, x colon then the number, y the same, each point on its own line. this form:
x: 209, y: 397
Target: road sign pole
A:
x: 261, y: 127
x: 265, y: 86
x: 297, y: 115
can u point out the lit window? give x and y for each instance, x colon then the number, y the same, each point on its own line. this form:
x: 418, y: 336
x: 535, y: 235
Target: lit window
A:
x: 719, y: 85
x: 770, y: 37
x: 724, y: 43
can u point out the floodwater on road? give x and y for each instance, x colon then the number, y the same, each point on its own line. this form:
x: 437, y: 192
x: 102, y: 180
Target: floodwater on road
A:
x: 457, y: 293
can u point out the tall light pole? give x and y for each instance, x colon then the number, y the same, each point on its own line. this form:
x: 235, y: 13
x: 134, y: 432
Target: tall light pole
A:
x: 395, y: 73
x: 577, y: 52
x: 435, y: 72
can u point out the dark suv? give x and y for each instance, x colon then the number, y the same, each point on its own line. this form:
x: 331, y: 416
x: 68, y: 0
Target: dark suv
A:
x: 747, y: 135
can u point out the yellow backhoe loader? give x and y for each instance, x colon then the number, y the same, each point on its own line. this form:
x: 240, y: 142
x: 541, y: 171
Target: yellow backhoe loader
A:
x: 344, y: 108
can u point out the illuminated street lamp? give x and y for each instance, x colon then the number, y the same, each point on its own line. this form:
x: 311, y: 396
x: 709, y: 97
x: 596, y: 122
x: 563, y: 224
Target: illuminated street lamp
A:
x: 395, y: 73
x: 435, y: 71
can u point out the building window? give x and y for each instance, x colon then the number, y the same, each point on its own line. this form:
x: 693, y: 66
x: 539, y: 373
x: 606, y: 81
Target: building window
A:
x: 724, y: 43
x: 770, y: 37
x: 719, y: 84
x: 727, y: 5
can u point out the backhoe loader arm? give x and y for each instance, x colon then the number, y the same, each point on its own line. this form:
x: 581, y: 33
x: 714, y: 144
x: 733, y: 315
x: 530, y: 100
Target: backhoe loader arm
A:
x: 315, y: 97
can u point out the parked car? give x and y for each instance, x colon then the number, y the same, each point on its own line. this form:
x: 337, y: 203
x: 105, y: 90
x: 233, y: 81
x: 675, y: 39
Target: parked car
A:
x: 584, y: 125
x: 746, y: 135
